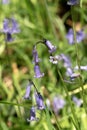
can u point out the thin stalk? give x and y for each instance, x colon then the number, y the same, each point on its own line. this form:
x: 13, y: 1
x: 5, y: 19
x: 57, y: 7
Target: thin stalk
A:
x: 72, y: 109
x: 57, y: 122
x: 78, y: 62
x: 31, y: 82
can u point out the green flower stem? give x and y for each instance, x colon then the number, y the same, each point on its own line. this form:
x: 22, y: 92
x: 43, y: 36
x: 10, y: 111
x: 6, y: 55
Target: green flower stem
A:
x: 78, y: 62
x: 14, y: 104
x: 57, y: 122
x: 72, y: 109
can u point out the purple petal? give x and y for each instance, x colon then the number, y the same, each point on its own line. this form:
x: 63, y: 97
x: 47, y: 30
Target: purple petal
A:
x: 50, y: 46
x: 73, y: 2
x: 77, y: 101
x: 58, y: 103
x: 32, y: 115
x: 38, y: 74
x: 35, y: 56
x: 28, y: 90
x: 39, y: 101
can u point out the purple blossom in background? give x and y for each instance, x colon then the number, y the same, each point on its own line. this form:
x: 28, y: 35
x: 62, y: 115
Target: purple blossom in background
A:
x: 79, y: 36
x: 58, y: 103
x: 10, y: 27
x: 32, y: 115
x: 38, y: 74
x: 67, y: 64
x: 39, y: 101
x: 5, y: 1
x: 49, y: 45
x: 77, y: 101
x: 69, y: 71
x: 28, y: 90
x: 73, y: 2
x: 66, y: 60
x: 35, y: 56
x: 81, y: 67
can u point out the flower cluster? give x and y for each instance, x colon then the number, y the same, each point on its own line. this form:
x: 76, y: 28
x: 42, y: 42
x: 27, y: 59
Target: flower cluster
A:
x: 80, y: 35
x: 36, y: 59
x: 10, y: 26
x: 38, y: 98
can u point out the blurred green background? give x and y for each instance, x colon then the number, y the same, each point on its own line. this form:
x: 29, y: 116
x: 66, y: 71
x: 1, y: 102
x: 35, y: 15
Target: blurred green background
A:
x: 39, y: 19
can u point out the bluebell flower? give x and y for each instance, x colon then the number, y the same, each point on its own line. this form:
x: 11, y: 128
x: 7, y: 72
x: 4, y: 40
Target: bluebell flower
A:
x: 5, y: 1
x: 39, y: 101
x: 10, y: 27
x: 32, y: 115
x: 66, y: 60
x: 38, y: 74
x: 78, y: 102
x: 74, y: 76
x: 35, y: 56
x: 58, y: 103
x: 73, y: 2
x: 49, y: 45
x: 81, y: 67
x: 79, y: 36
x: 28, y: 90
x: 55, y: 59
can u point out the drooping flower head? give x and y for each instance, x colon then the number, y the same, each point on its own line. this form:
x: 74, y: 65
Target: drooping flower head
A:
x: 79, y: 36
x: 28, y: 90
x: 49, y: 45
x: 38, y: 74
x: 78, y: 102
x: 32, y: 115
x: 58, y: 103
x: 35, y: 56
x: 10, y: 27
x: 39, y: 101
x: 73, y: 2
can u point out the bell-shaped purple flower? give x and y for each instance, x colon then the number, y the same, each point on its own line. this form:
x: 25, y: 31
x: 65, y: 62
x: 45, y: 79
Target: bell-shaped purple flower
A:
x: 66, y: 60
x: 32, y: 115
x: 39, y: 101
x: 10, y: 27
x: 35, y: 56
x: 38, y: 74
x: 49, y: 45
x: 70, y: 36
x: 77, y: 101
x: 28, y: 90
x: 79, y: 36
x: 58, y: 103
x: 73, y: 2
x: 15, y: 26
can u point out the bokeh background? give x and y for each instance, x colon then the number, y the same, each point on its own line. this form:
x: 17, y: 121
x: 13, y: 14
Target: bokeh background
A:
x: 38, y: 19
